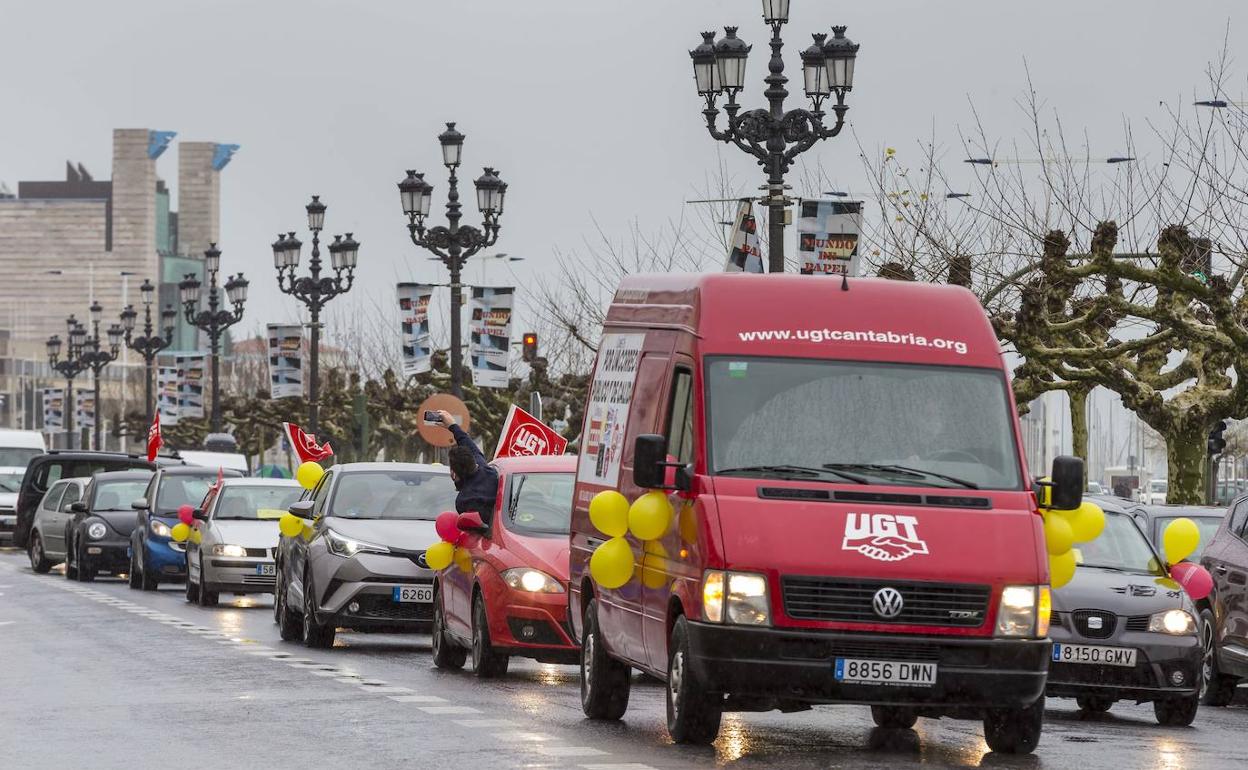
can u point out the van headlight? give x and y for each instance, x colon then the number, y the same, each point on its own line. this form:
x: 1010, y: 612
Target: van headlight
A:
x: 531, y: 580
x: 341, y: 545
x: 1176, y: 622
x: 96, y: 530
x: 1024, y: 611
x: 159, y: 528
x: 735, y: 597
x: 234, y: 551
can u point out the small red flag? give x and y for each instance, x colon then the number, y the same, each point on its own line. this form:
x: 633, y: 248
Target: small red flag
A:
x: 305, y: 446
x: 154, y: 440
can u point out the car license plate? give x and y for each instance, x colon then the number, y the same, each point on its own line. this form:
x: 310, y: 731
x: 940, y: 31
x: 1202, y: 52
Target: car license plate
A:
x: 885, y: 672
x: 418, y: 594
x: 1088, y: 653
x: 266, y: 570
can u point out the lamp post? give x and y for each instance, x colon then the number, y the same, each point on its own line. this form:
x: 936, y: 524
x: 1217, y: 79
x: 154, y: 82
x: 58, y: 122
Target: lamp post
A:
x: 69, y: 367
x: 315, y: 290
x: 453, y: 243
x: 774, y: 136
x: 149, y: 344
x: 95, y: 357
x: 216, y: 319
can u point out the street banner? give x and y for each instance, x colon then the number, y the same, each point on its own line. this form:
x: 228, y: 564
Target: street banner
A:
x: 84, y: 409
x: 744, y: 253
x: 53, y: 410
x: 827, y: 237
x: 414, y: 313
x: 606, y: 416
x: 490, y: 335
x: 285, y: 360
x: 191, y: 384
x: 154, y: 440
x: 167, y: 394
x: 305, y: 446
x: 524, y: 435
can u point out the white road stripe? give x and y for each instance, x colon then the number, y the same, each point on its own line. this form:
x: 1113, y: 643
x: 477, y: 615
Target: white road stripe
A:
x: 485, y: 723
x: 449, y: 710
x: 572, y: 751
x: 416, y: 699
x: 388, y: 690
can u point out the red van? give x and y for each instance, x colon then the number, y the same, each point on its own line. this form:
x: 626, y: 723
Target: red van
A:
x: 853, y: 522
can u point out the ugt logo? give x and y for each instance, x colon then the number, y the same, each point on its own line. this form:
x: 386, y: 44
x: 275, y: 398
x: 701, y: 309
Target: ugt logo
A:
x: 528, y: 442
x: 883, y: 536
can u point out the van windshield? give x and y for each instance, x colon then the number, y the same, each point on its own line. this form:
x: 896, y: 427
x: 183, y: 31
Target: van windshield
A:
x: 862, y: 422
x: 17, y: 457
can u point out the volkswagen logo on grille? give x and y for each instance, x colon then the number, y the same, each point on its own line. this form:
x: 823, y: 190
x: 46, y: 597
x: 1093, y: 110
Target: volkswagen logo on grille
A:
x: 887, y: 603
x: 420, y: 560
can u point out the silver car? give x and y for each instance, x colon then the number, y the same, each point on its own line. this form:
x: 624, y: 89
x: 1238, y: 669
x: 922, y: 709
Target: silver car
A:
x: 238, y: 537
x: 46, y: 544
x: 362, y: 567
x: 10, y: 485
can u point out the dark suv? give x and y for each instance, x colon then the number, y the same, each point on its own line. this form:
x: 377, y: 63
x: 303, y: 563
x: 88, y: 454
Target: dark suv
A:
x: 44, y: 470
x: 1224, y: 614
x: 154, y: 555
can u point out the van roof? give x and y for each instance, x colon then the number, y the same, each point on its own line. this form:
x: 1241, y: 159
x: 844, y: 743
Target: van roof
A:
x: 790, y: 315
x: 23, y: 439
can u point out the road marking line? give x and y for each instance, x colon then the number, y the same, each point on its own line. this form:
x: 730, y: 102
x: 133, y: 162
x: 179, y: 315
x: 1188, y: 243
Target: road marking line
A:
x: 416, y: 699
x: 374, y: 682
x: 625, y: 766
x: 449, y: 710
x: 348, y: 680
x: 388, y: 690
x: 485, y: 723
x: 571, y: 751
x: 523, y: 736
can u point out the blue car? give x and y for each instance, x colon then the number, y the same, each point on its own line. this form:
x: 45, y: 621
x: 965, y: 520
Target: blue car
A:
x: 154, y: 556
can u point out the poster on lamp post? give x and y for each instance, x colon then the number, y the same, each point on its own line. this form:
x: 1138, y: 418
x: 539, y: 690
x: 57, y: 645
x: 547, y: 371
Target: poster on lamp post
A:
x: 489, y: 327
x: 414, y: 315
x: 167, y: 394
x: 285, y: 360
x: 744, y: 253
x: 84, y: 409
x: 828, y: 232
x: 191, y: 384
x: 53, y: 410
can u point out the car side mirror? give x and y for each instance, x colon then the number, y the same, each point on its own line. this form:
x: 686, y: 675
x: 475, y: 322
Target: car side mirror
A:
x: 78, y: 507
x: 140, y: 504
x: 302, y: 509
x: 200, y: 514
x: 471, y: 522
x: 1066, y: 487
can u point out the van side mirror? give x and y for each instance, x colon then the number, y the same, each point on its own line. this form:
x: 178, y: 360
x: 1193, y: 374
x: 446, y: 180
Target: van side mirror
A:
x: 1066, y: 492
x: 302, y: 509
x: 470, y: 521
x: 140, y: 504
x: 78, y: 507
x: 649, y: 460
x: 200, y: 514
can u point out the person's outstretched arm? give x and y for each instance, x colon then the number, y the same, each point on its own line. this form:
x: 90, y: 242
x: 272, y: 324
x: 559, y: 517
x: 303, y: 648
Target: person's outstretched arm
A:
x: 463, y: 439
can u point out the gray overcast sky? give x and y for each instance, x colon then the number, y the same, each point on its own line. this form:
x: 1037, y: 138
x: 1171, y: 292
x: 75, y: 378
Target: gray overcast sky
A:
x: 586, y: 107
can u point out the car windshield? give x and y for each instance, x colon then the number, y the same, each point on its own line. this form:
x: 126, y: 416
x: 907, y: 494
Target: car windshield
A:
x: 178, y: 490
x: 10, y: 482
x: 1207, y: 525
x: 875, y: 423
x: 1121, y: 546
x: 117, y: 495
x: 396, y: 494
x: 254, y: 502
x: 17, y: 457
x: 542, y: 504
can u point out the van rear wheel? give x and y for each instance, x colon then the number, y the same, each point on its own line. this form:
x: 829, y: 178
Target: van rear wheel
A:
x: 693, y: 714
x: 1016, y: 730
x: 604, y: 681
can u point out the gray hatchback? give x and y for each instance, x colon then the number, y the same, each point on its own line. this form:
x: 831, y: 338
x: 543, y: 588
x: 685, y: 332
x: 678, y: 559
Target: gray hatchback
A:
x: 362, y: 564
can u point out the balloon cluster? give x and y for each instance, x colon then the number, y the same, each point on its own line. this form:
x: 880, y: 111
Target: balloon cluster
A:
x: 308, y: 475
x: 1179, y: 541
x: 1062, y: 529
x: 449, y: 550
x: 186, y: 528
x: 648, y: 518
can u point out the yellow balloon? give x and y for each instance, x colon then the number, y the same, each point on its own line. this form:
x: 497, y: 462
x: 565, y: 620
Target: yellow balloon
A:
x: 180, y: 532
x: 1061, y: 569
x: 196, y: 537
x: 1180, y: 539
x: 653, y: 564
x: 688, y: 524
x: 439, y: 555
x: 308, y: 474
x: 1059, y: 536
x: 308, y: 532
x: 463, y: 560
x: 611, y: 564
x: 608, y: 511
x: 649, y: 516
x: 290, y: 525
x: 1087, y: 522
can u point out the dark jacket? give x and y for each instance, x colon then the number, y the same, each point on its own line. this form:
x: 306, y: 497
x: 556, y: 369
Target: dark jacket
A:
x: 479, y: 491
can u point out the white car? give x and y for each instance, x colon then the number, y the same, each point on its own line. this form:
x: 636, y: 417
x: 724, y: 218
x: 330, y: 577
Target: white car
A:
x: 238, y: 538
x: 10, y: 484
x: 1155, y: 492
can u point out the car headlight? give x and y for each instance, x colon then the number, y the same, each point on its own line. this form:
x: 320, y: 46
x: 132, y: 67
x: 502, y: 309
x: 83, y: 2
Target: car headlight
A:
x: 735, y: 597
x: 531, y: 580
x: 341, y: 545
x: 236, y: 551
x: 1176, y: 622
x: 96, y: 530
x: 159, y: 528
x: 1024, y: 611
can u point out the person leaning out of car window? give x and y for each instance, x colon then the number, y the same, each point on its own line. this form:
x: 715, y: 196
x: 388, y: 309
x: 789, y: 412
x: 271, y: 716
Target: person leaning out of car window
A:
x: 474, y: 477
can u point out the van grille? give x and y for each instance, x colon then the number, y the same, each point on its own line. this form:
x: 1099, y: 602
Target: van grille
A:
x: 839, y: 600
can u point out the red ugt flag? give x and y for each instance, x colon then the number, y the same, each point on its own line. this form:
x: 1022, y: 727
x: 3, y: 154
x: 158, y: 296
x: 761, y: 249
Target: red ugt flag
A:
x: 154, y: 441
x: 524, y: 435
x: 304, y: 445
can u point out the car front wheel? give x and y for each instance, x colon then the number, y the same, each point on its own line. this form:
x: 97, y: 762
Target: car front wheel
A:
x: 71, y: 568
x: 1176, y: 712
x: 1016, y: 730
x: 315, y: 634
x: 289, y: 624
x: 487, y: 662
x: 1094, y: 704
x: 1216, y: 688
x: 148, y: 580
x: 86, y: 573
x: 38, y: 560
x: 207, y: 598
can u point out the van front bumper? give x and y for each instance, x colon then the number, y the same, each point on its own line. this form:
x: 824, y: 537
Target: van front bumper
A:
x: 798, y: 666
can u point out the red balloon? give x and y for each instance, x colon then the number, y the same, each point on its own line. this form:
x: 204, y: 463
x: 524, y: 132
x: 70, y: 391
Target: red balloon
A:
x: 186, y: 515
x: 447, y: 526
x: 1194, y: 578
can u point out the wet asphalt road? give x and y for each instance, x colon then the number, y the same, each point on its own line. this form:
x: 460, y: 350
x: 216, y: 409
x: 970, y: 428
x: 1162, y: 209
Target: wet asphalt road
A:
x: 98, y: 675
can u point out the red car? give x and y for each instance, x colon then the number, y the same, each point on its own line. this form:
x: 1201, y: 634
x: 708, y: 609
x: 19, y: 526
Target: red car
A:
x: 512, y: 599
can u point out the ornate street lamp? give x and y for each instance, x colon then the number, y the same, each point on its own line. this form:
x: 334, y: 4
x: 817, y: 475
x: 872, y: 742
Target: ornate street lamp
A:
x: 93, y: 354
x: 69, y: 367
x: 453, y: 243
x: 774, y: 136
x: 216, y: 319
x: 149, y: 344
x: 315, y: 290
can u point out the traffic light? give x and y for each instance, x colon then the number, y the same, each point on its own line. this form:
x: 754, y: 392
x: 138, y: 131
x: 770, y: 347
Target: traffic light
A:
x: 529, y: 347
x: 1217, y: 442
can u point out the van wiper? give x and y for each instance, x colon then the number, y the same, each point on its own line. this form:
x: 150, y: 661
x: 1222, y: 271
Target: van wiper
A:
x: 901, y: 470
x: 798, y: 471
